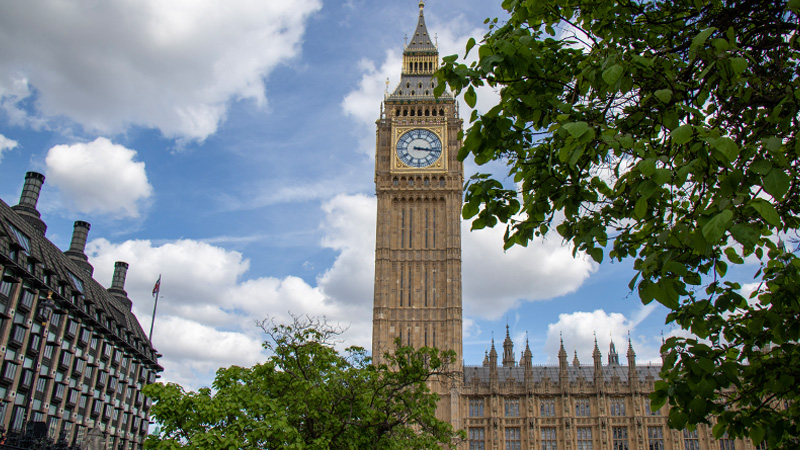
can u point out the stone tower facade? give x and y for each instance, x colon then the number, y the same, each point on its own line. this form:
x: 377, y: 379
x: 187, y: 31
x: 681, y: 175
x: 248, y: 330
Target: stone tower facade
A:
x: 418, y: 180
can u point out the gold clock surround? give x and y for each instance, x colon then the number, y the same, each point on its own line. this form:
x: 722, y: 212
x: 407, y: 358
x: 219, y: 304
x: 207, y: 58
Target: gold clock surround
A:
x: 440, y: 165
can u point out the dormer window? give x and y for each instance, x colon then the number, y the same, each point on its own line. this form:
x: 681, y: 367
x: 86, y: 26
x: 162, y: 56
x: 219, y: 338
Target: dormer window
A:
x: 23, y: 240
x: 76, y: 281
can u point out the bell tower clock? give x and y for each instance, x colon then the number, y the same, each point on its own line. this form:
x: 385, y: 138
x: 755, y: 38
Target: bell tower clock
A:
x: 418, y: 181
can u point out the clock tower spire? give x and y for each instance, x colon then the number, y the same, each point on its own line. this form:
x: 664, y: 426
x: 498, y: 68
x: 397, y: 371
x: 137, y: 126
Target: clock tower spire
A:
x: 418, y: 183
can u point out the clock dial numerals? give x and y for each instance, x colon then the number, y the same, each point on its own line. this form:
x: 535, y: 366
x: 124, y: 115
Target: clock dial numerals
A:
x: 419, y: 148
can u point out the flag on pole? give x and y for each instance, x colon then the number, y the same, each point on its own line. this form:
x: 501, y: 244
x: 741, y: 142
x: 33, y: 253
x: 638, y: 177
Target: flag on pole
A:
x: 156, y: 290
x: 157, y: 287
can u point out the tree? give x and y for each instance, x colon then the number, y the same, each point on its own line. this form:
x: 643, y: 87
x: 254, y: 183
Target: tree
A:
x: 664, y: 131
x: 307, y: 396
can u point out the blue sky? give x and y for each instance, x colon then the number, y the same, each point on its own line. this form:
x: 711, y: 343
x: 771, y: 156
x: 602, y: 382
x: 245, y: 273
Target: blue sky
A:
x: 229, y: 147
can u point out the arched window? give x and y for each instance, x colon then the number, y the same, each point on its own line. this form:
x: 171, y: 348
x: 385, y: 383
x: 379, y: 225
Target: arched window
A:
x: 427, y: 111
x: 397, y: 112
x: 441, y: 111
x: 434, y: 113
x: 395, y: 182
x: 412, y: 113
x: 441, y: 181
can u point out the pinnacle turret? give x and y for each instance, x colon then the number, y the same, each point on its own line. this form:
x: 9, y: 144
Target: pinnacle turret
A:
x: 508, y: 350
x: 613, y: 357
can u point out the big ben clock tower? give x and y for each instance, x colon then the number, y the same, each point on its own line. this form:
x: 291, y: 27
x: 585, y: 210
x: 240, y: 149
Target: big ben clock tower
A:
x: 418, y: 180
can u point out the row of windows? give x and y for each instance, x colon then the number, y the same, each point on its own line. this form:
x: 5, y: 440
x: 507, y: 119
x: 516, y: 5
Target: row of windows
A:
x: 423, y: 66
x: 547, y: 407
x: 28, y: 294
x: 412, y: 112
x: 584, y: 440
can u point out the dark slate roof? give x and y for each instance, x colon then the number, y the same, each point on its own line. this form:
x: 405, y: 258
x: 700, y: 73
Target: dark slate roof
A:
x: 481, y: 374
x: 421, y: 40
x: 409, y: 89
x: 61, y: 266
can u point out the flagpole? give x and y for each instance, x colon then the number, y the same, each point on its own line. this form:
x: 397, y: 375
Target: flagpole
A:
x: 155, y: 305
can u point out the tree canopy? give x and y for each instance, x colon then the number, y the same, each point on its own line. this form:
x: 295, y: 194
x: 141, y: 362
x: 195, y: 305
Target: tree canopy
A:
x: 665, y: 132
x: 308, y: 396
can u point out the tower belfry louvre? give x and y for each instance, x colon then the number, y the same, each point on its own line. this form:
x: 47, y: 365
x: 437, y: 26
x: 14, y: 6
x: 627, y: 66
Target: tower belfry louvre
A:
x: 418, y: 182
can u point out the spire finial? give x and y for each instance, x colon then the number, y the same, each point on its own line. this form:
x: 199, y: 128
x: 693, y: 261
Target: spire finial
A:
x: 421, y: 5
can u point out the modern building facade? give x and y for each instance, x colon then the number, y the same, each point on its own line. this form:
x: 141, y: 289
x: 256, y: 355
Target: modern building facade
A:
x: 74, y: 356
x: 505, y: 404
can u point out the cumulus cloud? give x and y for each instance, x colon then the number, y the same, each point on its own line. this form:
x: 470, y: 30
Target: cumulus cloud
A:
x: 168, y: 65
x: 361, y: 103
x: 206, y: 293
x: 207, y: 304
x: 6, y: 144
x: 544, y: 269
x: 99, y: 176
x: 579, y: 330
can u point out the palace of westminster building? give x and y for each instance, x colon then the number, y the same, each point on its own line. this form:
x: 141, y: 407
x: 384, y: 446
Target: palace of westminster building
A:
x: 502, y: 404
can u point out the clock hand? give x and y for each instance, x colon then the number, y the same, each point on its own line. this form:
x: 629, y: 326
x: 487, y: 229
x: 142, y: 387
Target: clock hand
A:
x: 422, y: 148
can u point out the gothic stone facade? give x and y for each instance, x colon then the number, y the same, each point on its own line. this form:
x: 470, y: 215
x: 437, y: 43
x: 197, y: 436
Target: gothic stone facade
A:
x: 73, y: 365
x: 515, y: 406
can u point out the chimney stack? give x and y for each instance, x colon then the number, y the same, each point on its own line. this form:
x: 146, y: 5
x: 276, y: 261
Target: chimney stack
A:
x: 117, y: 288
x: 78, y: 245
x: 28, y: 200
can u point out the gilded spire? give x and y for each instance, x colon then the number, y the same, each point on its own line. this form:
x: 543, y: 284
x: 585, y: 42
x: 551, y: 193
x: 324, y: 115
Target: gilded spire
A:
x: 420, y: 63
x: 421, y: 40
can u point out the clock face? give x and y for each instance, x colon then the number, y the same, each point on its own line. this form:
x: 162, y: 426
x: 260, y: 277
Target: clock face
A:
x: 419, y: 148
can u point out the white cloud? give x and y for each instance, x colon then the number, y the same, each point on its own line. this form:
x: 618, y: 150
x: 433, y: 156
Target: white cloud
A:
x: 6, y: 144
x: 207, y: 305
x: 169, y: 65
x: 579, y: 329
x: 543, y: 270
x: 361, y: 103
x: 99, y: 176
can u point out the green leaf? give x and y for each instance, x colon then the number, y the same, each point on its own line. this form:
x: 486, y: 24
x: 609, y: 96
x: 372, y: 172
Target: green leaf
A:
x: 715, y: 228
x: 612, y: 74
x: 682, y: 134
x: 640, y: 210
x: 777, y: 183
x: 701, y: 38
x: 767, y: 211
x: 469, y: 210
x: 727, y: 147
x: 757, y: 434
x: 470, y: 44
x: 576, y: 129
x: 665, y: 95
x: 738, y: 65
x: 470, y: 97
x: 733, y: 257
